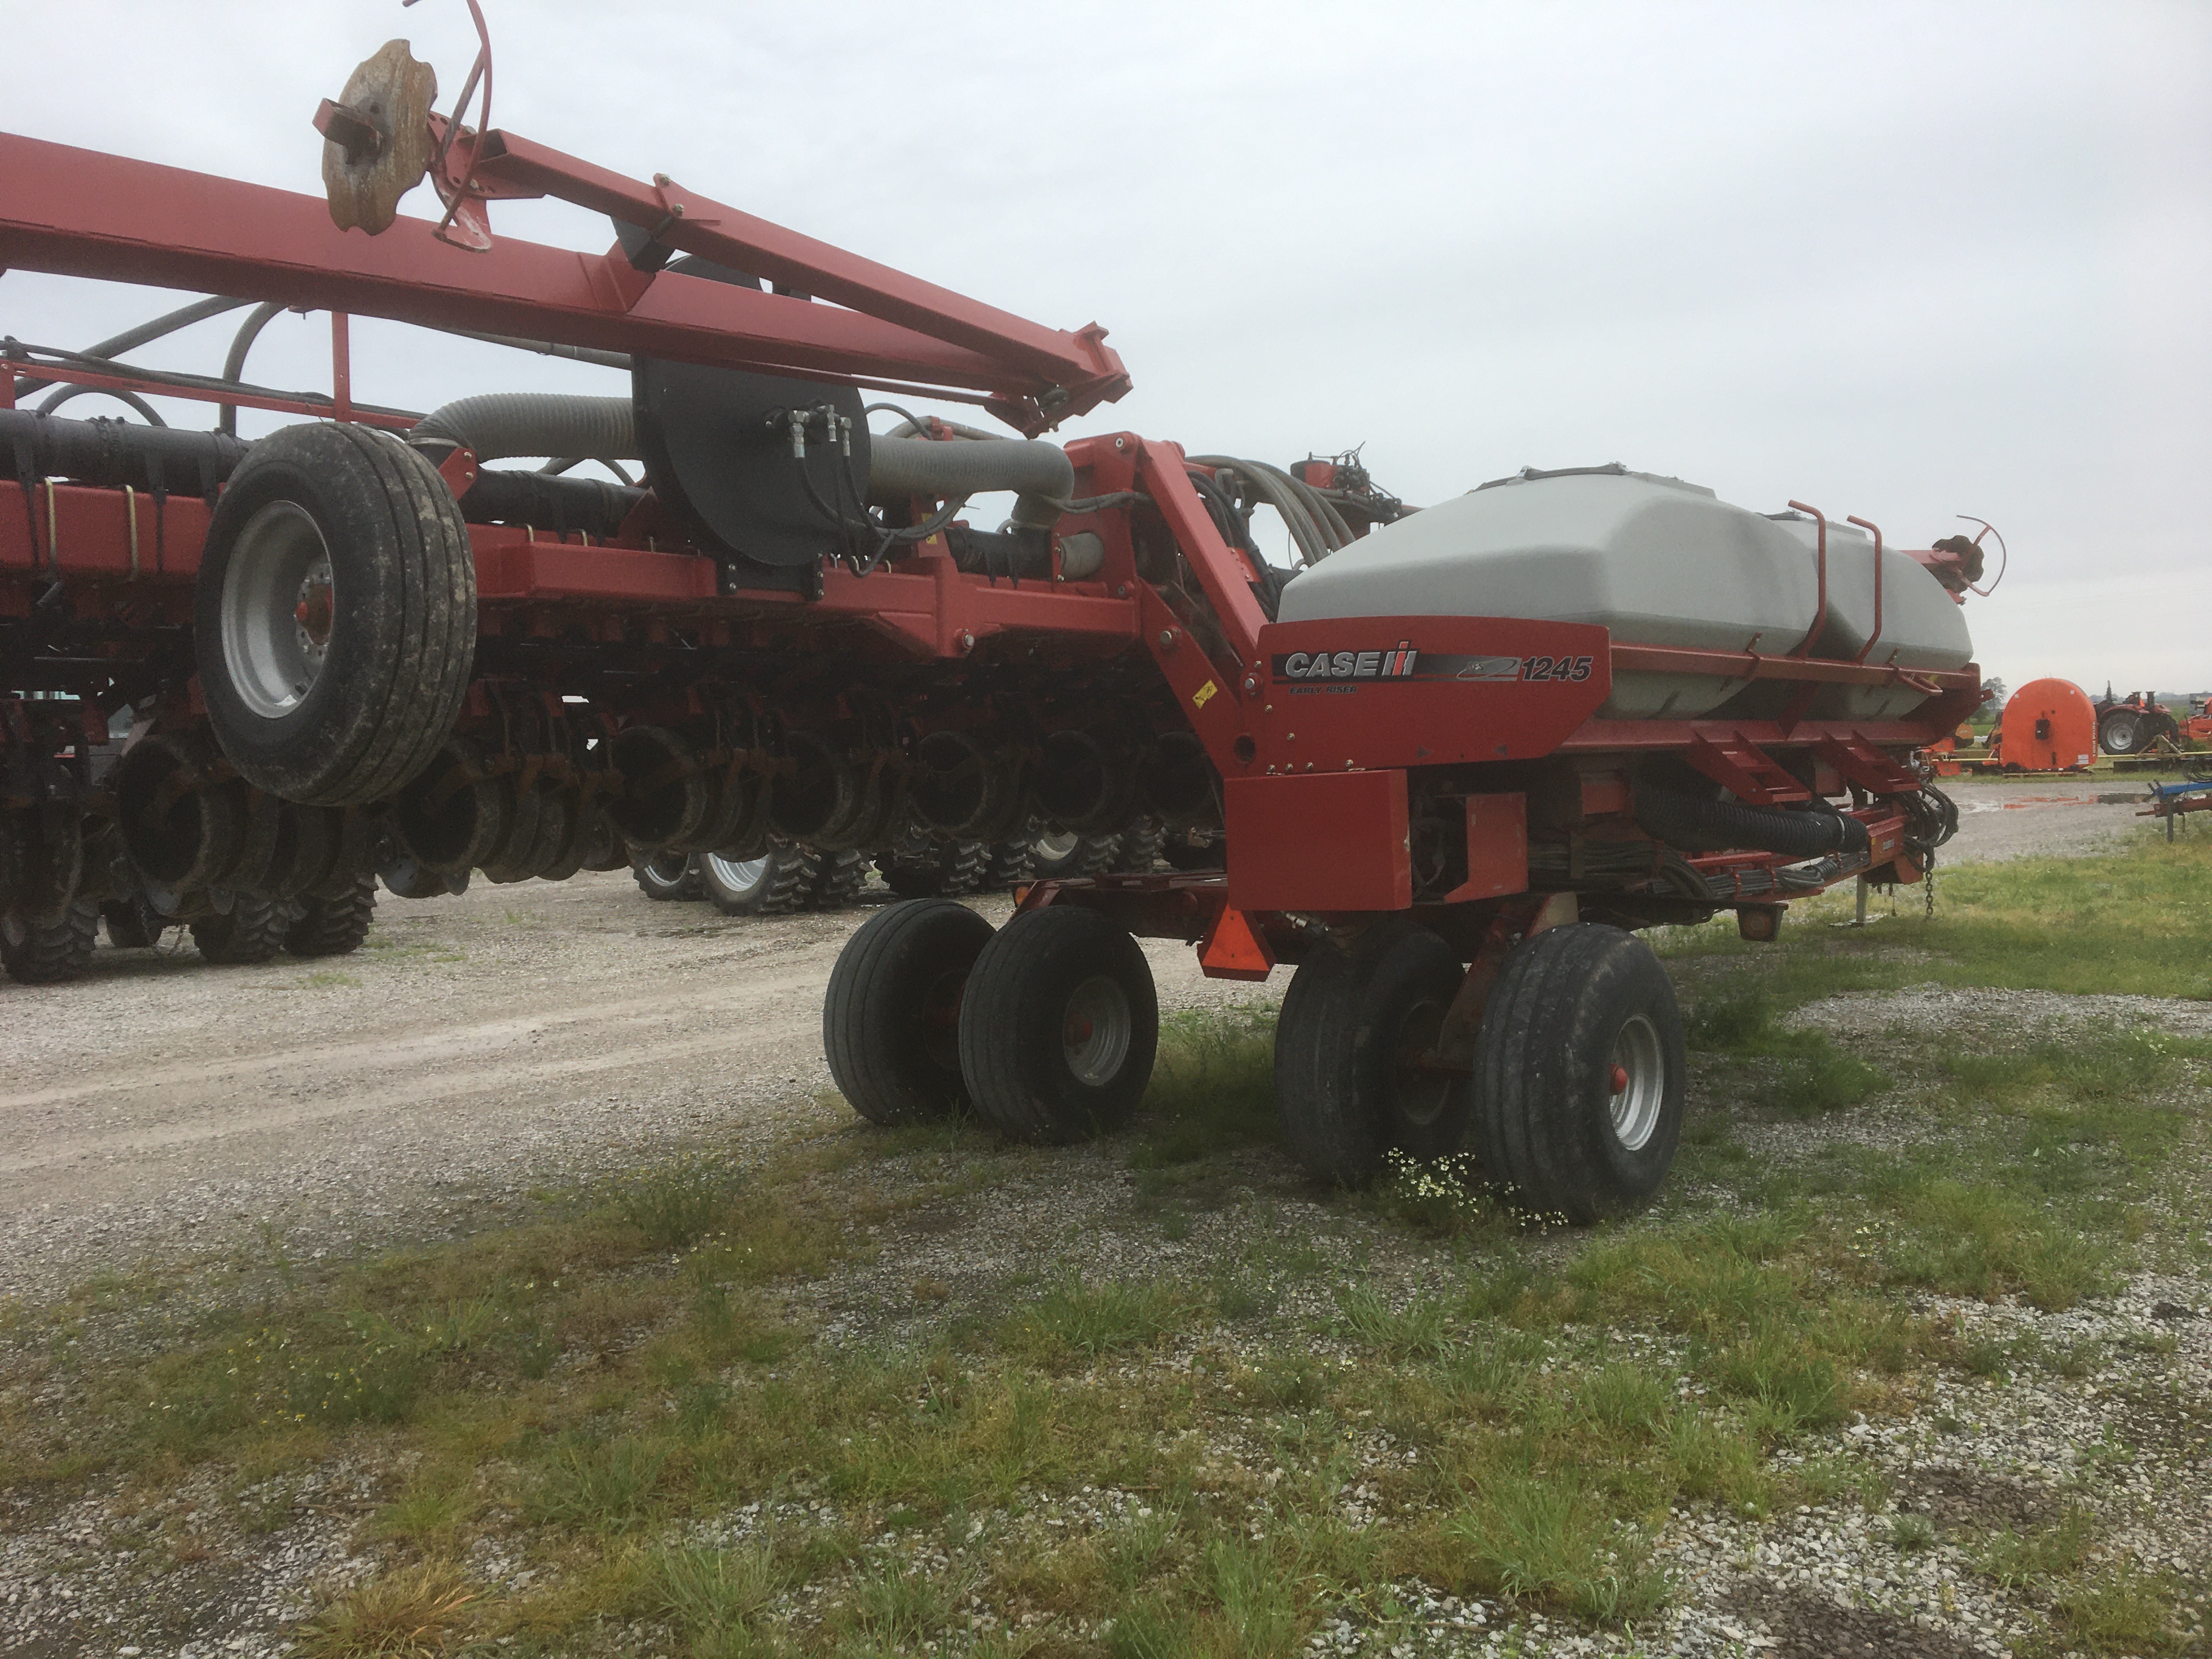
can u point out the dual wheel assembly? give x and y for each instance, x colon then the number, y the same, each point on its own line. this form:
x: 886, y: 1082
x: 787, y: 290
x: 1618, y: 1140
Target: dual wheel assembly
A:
x: 1047, y: 1029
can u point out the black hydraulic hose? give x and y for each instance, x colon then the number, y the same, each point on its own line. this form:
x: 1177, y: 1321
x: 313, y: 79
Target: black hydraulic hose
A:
x: 121, y: 397
x: 167, y: 323
x: 117, y: 452
x: 1689, y: 824
x: 501, y: 425
x: 234, y: 364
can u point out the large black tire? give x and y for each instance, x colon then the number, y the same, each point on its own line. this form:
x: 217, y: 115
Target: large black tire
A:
x: 2120, y: 732
x: 252, y: 930
x: 333, y: 926
x: 48, y: 952
x: 890, y: 1023
x: 1141, y: 847
x: 840, y: 880
x: 1071, y: 857
x: 1575, y: 1010
x: 1352, y: 1023
x: 1010, y: 864
x: 335, y: 614
x: 775, y: 884
x: 1060, y: 1026
x: 923, y: 865
x: 666, y: 875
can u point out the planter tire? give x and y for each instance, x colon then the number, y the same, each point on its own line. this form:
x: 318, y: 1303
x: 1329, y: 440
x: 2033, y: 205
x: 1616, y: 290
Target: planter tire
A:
x: 50, y: 952
x: 333, y: 926
x: 1345, y: 1095
x: 1060, y: 1026
x: 335, y: 614
x: 1579, y: 1079
x: 777, y: 883
x: 665, y: 875
x: 252, y: 930
x: 890, y: 1022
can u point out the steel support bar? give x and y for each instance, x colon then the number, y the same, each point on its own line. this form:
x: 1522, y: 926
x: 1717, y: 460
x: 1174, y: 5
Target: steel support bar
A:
x: 80, y: 213
x: 1079, y: 364
x: 1752, y: 665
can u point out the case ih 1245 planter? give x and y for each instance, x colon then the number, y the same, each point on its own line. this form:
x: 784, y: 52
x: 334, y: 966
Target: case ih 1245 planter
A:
x: 1453, y: 760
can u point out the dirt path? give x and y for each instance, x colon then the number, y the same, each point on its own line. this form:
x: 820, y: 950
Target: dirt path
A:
x: 513, y: 1037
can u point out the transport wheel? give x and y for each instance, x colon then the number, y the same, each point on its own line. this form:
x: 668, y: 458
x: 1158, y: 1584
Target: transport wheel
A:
x: 133, y: 924
x: 1141, y: 847
x: 1579, y: 1084
x: 335, y: 614
x: 839, y: 881
x: 1068, y: 857
x: 892, y: 1022
x: 328, y: 926
x: 2119, y: 733
x: 1058, y: 1027
x: 48, y: 952
x: 1353, y: 1023
x: 666, y: 875
x: 775, y: 884
x: 253, y: 930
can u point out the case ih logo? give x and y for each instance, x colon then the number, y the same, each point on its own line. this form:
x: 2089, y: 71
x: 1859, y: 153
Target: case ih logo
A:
x: 1402, y: 662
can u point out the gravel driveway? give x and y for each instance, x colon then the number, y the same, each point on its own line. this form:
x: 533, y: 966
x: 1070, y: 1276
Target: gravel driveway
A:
x: 515, y: 1036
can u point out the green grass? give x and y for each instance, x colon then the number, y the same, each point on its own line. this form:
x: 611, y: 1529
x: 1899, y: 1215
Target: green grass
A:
x: 1326, y: 1404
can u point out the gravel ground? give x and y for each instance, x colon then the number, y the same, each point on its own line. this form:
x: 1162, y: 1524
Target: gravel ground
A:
x: 513, y: 1038
x: 531, y: 1035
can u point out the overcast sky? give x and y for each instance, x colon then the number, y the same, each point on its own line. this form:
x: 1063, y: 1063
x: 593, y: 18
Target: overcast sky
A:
x: 1904, y: 261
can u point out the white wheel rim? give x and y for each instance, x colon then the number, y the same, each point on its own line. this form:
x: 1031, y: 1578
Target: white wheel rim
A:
x: 1094, y: 1030
x: 1055, y: 847
x: 739, y: 875
x: 279, y: 608
x: 1638, y: 1081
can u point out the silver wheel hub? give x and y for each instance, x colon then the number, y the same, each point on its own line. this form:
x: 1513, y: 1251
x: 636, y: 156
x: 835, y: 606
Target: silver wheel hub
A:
x: 278, y: 607
x: 1637, y: 1082
x: 1094, y: 1030
x: 1055, y: 847
x: 740, y: 874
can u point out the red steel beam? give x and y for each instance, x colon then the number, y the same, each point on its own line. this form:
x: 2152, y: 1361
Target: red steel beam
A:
x: 1078, y: 362
x: 81, y: 212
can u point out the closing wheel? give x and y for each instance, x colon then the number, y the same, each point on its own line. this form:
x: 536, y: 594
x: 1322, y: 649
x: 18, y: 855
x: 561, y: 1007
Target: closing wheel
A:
x: 1579, y: 1083
x: 334, y: 619
x: 1350, y: 1083
x: 892, y: 1022
x: 1060, y: 1026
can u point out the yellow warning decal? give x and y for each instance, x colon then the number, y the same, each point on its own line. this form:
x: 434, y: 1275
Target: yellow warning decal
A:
x: 1198, y: 697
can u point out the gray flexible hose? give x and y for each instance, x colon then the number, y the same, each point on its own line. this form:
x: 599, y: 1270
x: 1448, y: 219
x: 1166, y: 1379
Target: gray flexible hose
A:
x: 501, y: 425
x: 1039, y: 473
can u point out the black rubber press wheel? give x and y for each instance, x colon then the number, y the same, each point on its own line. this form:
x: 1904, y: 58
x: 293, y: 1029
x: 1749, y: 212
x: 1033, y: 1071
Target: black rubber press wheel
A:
x: 890, y: 1023
x: 1579, y: 1078
x: 335, y: 614
x: 1060, y: 1026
